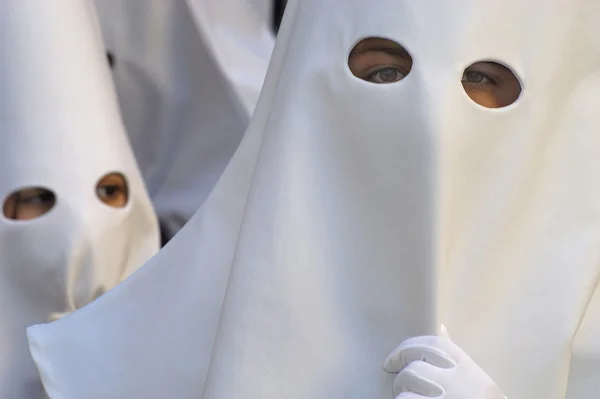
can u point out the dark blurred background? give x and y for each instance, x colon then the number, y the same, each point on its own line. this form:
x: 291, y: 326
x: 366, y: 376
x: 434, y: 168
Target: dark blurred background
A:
x: 278, y: 9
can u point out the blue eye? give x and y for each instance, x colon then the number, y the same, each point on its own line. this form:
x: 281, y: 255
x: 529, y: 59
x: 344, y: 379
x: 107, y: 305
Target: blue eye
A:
x: 385, y: 75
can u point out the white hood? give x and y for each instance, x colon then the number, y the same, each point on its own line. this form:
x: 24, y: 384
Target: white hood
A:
x: 60, y: 129
x: 188, y: 74
x: 264, y: 8
x: 356, y: 215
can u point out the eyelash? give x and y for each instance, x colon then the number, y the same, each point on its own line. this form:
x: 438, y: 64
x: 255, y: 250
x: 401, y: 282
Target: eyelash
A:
x: 34, y: 199
x: 490, y: 80
x: 109, y: 190
x: 371, y: 74
x: 486, y: 79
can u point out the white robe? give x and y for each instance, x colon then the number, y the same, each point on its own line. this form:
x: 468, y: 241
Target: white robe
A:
x: 188, y: 74
x: 60, y: 130
x: 355, y: 215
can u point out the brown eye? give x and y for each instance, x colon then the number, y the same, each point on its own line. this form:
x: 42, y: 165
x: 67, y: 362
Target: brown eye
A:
x: 379, y: 61
x: 29, y: 203
x: 112, y: 190
x: 491, y: 85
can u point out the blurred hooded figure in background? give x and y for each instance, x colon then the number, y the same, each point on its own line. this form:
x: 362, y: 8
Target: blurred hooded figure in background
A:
x: 265, y: 9
x: 188, y: 74
x: 76, y: 218
x: 411, y: 163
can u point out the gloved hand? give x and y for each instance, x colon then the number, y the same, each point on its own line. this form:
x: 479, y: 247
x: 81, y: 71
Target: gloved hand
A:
x: 435, y: 367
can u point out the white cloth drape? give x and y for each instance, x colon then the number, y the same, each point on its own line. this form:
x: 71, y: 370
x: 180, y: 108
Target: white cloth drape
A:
x: 188, y: 74
x: 355, y: 215
x: 60, y: 130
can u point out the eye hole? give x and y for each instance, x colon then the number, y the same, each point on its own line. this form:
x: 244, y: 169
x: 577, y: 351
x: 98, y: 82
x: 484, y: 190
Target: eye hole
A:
x: 378, y: 60
x: 29, y: 203
x: 490, y: 84
x: 111, y: 59
x: 112, y: 190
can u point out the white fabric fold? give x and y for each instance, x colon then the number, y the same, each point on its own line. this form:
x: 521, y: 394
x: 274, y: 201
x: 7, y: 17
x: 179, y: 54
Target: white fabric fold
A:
x: 188, y: 74
x: 60, y: 130
x: 356, y: 215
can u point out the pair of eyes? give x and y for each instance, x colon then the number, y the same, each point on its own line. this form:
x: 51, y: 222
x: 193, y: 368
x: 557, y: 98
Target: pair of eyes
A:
x: 382, y: 61
x: 33, y: 202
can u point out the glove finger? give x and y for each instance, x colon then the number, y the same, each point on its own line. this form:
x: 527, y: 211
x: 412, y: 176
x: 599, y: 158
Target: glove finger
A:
x: 444, y: 332
x: 428, y: 349
x: 418, y: 377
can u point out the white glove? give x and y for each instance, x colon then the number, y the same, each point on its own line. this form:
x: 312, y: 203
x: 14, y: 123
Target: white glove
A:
x: 435, y: 367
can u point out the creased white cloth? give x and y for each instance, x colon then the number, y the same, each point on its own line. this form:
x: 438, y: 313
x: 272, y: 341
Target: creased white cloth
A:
x: 60, y: 130
x: 356, y: 215
x: 188, y: 74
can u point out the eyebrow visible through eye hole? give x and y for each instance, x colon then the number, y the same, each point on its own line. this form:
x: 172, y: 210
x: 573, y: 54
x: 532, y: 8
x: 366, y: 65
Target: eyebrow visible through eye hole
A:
x: 379, y: 61
x: 394, y: 51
